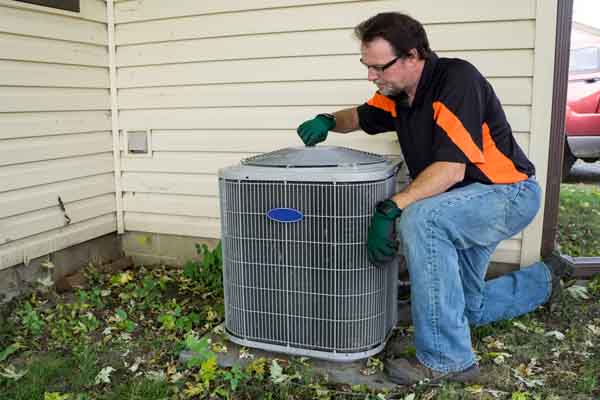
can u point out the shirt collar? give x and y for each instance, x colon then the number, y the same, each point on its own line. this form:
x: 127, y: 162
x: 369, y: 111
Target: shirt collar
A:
x: 425, y: 80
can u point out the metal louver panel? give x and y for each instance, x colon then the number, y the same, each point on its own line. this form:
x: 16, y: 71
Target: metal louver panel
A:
x: 305, y: 287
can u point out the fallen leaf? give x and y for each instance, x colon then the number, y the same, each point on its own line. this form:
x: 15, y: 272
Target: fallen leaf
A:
x: 219, y: 330
x: 530, y: 383
x: 136, y: 364
x: 171, y: 369
x: 521, y: 326
x: 104, y: 375
x: 474, y: 389
x: 176, y: 377
x: 219, y: 348
x: 56, y: 396
x: 578, y: 292
x: 277, y: 375
x: 499, y: 358
x: 373, y: 366
x: 496, y: 345
x: 159, y: 376
x: 555, y: 334
x: 593, y: 328
x: 496, y: 393
x: 11, y: 373
x: 46, y: 281
x: 245, y: 354
x: 122, y: 278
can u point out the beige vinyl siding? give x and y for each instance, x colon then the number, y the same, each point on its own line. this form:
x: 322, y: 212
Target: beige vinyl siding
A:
x: 55, y: 129
x: 219, y: 81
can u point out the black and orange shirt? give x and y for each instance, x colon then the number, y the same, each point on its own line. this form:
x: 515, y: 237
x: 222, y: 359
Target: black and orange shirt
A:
x: 456, y: 117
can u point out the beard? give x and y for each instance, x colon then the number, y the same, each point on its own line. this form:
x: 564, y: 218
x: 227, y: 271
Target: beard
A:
x: 387, y: 89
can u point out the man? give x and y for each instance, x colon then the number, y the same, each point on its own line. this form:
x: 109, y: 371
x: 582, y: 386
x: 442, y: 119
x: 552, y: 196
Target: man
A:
x: 471, y: 187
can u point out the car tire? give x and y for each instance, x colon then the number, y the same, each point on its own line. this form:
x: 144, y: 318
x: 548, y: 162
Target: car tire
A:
x: 590, y: 160
x: 568, y: 161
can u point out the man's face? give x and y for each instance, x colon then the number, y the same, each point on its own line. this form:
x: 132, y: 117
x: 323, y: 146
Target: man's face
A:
x: 397, y: 77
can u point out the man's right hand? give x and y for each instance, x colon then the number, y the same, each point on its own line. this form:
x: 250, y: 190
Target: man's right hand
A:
x: 315, y: 130
x: 381, y: 239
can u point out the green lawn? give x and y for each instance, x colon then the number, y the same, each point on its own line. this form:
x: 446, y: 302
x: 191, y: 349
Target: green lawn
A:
x: 120, y: 339
x: 579, y: 220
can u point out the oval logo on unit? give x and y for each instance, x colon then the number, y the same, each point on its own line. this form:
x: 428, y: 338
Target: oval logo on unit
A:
x: 285, y: 215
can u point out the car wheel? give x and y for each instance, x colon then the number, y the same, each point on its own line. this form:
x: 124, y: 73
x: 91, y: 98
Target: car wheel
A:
x: 568, y: 161
x: 590, y: 160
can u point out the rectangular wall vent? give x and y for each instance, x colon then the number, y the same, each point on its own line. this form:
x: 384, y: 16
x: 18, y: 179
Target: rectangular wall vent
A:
x: 138, y: 142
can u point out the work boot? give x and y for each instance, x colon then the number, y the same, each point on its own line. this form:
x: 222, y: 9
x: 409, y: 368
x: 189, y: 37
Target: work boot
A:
x: 560, y: 267
x: 408, y: 371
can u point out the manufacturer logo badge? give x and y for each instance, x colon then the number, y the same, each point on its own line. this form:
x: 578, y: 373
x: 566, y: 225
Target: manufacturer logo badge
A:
x: 285, y: 215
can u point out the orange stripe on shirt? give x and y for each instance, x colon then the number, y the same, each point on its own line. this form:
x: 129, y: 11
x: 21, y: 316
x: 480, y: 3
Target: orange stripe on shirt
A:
x: 497, y: 167
x: 384, y: 103
x: 457, y: 132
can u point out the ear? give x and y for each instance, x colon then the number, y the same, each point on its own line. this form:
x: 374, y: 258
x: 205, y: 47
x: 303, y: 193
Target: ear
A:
x: 413, y: 54
x: 413, y: 57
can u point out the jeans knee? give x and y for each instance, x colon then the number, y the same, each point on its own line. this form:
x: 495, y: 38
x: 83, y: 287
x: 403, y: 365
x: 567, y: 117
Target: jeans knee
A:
x: 412, y: 222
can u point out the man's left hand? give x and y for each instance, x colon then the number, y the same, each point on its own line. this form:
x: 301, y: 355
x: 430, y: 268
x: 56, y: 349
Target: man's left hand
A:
x: 381, y: 241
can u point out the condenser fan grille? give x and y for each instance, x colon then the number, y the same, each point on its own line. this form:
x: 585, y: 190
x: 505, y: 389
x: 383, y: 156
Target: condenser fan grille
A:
x: 305, y: 287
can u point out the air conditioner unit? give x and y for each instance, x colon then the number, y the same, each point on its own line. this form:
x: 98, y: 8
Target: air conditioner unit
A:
x: 296, y: 274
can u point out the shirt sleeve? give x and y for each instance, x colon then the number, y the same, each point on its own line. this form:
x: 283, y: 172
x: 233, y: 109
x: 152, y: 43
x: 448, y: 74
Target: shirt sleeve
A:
x: 377, y: 115
x: 458, y: 112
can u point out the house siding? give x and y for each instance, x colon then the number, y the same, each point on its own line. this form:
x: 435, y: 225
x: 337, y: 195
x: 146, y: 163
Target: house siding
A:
x: 55, y: 138
x: 220, y: 81
x: 215, y: 82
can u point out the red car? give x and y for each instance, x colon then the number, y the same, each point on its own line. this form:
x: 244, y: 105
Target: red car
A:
x: 582, y: 122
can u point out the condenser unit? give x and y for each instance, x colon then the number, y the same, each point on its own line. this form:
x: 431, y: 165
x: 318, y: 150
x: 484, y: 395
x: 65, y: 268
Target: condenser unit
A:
x: 296, y: 274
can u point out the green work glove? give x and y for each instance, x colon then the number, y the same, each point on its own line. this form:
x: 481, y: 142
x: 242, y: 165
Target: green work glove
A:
x: 315, y: 130
x: 381, y: 240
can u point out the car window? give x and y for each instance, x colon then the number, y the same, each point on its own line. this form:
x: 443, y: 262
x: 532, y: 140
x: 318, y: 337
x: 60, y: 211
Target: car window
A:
x: 586, y: 59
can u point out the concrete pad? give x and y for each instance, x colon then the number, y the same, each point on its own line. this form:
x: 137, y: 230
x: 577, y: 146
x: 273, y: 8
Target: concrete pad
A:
x: 339, y: 373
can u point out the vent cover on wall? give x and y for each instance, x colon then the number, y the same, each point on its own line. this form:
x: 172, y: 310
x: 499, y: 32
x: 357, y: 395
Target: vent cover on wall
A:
x: 296, y: 274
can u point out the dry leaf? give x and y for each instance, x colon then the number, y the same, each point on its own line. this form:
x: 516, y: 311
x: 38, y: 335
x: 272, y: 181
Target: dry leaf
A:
x: 555, y: 334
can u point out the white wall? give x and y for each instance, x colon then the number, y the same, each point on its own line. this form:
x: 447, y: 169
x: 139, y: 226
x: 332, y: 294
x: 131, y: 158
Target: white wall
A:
x: 218, y: 81
x: 55, y: 137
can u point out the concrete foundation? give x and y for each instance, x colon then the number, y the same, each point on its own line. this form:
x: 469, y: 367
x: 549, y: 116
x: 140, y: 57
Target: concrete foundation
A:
x: 19, y: 278
x: 155, y: 248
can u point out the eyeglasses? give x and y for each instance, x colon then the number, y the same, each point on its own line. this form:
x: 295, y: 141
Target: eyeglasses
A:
x: 380, y: 68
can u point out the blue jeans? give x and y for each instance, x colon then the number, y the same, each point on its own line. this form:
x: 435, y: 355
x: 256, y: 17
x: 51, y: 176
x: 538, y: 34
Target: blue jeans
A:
x: 447, y: 241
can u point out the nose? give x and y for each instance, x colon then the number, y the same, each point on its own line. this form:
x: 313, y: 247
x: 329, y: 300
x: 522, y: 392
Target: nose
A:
x: 371, y: 75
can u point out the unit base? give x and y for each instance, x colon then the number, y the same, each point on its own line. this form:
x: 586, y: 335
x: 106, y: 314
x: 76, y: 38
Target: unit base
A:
x: 322, y: 355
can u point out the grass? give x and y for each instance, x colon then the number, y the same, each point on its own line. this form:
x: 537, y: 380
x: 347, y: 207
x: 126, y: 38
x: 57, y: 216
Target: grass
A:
x: 120, y: 339
x: 579, y: 220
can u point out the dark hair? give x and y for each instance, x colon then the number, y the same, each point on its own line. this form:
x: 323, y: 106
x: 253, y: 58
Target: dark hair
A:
x: 400, y: 30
